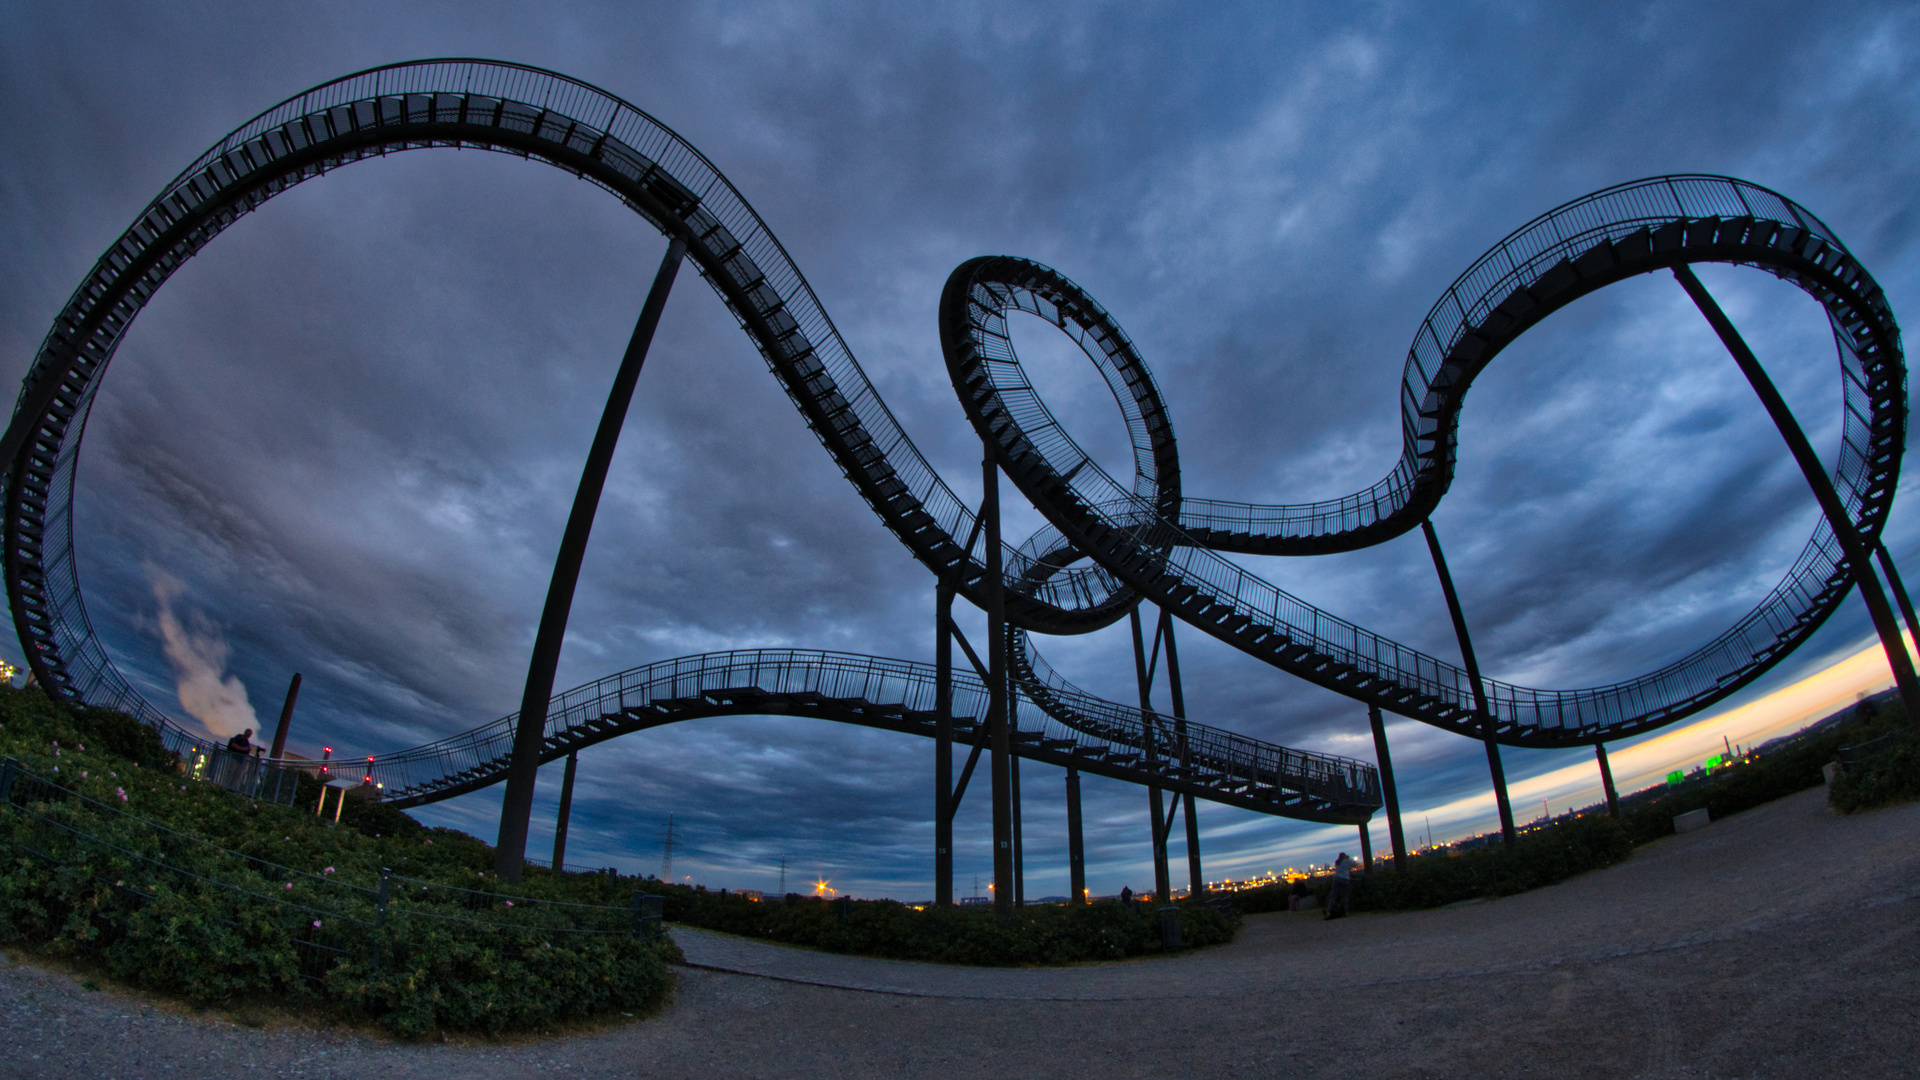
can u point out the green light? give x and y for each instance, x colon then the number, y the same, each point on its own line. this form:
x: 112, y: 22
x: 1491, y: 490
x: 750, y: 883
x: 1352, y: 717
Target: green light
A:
x: 1674, y: 778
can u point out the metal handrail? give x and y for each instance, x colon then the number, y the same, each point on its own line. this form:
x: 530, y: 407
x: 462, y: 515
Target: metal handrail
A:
x: 1152, y: 539
x: 1045, y: 706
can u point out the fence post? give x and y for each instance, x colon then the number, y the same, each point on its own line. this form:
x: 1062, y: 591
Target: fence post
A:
x: 648, y: 911
x: 6, y: 779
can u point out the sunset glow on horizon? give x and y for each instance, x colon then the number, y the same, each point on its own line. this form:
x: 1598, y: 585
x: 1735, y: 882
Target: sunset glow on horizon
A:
x: 1782, y: 712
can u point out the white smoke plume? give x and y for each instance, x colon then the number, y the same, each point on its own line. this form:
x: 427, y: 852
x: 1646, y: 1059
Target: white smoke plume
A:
x: 199, y: 657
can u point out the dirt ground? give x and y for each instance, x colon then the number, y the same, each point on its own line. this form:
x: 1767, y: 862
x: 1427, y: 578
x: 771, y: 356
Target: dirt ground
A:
x: 1779, y: 943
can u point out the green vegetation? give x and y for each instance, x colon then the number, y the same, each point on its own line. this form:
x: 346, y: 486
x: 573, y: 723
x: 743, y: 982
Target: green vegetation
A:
x: 1539, y: 857
x: 1884, y: 771
x: 1889, y: 773
x: 1783, y: 770
x: 187, y: 889
x: 140, y: 873
x: 133, y: 869
x: 1049, y: 934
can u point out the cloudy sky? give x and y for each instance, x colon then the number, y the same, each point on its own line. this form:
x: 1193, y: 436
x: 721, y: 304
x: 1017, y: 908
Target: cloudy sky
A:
x: 343, y: 440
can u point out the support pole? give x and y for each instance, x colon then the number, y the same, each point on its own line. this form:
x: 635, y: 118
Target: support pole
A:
x: 1859, y: 555
x: 1479, y: 689
x: 1162, y: 879
x: 1606, y: 780
x: 1899, y: 590
x: 566, y: 812
x: 1366, y: 846
x: 1000, y: 742
x: 1076, y: 846
x: 1387, y: 789
x: 523, y: 768
x: 286, y: 720
x: 1019, y: 851
x: 1196, y: 880
x: 943, y: 747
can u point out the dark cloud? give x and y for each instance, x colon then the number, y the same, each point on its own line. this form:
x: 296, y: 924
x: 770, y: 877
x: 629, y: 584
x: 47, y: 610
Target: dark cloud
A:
x: 352, y: 426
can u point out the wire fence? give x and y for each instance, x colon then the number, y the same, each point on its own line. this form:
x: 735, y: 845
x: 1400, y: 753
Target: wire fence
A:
x: 326, y: 916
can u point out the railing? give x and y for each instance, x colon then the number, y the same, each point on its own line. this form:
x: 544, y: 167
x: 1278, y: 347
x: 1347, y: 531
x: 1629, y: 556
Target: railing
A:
x: 526, y: 111
x: 1182, y: 572
x: 1050, y: 708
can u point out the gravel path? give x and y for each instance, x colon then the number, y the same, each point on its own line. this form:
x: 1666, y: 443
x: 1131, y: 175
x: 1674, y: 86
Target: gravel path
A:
x: 1781, y: 942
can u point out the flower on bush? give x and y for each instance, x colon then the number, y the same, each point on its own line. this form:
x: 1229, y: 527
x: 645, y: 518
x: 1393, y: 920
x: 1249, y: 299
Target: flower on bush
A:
x: 509, y: 903
x: 316, y: 924
x: 122, y: 792
x: 289, y: 884
x: 328, y: 870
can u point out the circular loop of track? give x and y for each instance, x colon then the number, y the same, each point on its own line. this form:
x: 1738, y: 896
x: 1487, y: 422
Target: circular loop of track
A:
x: 1146, y: 536
x: 1168, y: 550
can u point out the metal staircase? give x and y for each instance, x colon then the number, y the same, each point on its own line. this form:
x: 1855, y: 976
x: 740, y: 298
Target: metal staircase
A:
x: 1109, y: 543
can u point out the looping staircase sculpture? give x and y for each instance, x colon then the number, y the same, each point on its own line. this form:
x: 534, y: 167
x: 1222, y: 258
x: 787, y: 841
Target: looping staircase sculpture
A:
x: 1109, y: 544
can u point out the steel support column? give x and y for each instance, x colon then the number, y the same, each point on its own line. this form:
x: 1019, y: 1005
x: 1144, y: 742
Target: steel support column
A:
x: 566, y: 812
x: 1000, y: 741
x: 1366, y: 846
x: 943, y: 747
x: 279, y: 747
x: 1899, y: 590
x: 1076, y: 846
x: 1859, y: 555
x: 1473, y: 675
x: 1387, y: 789
x: 1606, y: 780
x: 1196, y: 880
x: 1019, y: 851
x: 523, y: 771
x: 1162, y: 879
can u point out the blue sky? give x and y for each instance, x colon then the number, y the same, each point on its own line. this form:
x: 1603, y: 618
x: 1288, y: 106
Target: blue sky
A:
x: 350, y: 428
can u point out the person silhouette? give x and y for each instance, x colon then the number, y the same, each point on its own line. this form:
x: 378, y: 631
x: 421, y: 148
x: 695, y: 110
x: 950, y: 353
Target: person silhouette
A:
x: 1338, y: 901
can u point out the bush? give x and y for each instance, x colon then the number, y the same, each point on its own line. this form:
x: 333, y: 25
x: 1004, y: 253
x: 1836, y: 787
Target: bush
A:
x: 193, y: 891
x: 1889, y: 776
x: 1050, y: 934
x: 1542, y: 857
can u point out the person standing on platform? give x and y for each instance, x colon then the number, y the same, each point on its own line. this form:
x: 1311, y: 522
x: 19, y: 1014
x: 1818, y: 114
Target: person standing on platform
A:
x: 1342, y: 886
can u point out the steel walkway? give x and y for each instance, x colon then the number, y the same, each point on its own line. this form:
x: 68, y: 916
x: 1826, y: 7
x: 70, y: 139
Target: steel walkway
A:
x: 1111, y: 541
x: 1066, y: 728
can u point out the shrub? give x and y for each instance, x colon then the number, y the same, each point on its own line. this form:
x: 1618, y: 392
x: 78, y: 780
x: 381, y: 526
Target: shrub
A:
x: 191, y: 890
x: 1889, y: 776
x: 1542, y: 857
x: 1049, y: 934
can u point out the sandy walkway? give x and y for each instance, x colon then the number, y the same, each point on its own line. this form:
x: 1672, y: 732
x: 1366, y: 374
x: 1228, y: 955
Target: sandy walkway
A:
x: 1781, y: 942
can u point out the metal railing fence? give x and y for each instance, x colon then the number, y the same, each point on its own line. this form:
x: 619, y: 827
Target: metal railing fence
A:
x: 1045, y: 706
